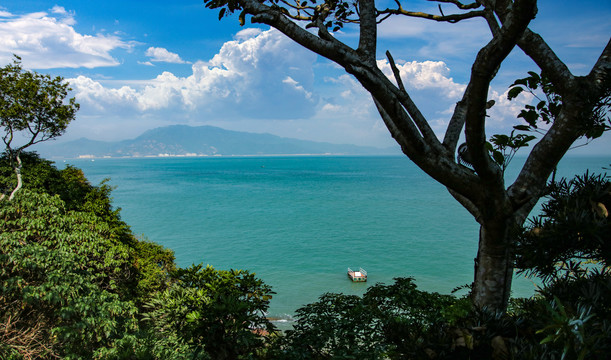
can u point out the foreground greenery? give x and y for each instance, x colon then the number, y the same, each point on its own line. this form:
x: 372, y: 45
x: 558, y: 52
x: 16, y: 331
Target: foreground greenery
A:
x: 75, y: 283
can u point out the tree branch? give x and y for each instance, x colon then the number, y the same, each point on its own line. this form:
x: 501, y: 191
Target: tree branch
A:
x: 538, y: 50
x: 368, y: 31
x: 484, y: 68
x: 602, y: 69
x: 473, y: 5
x: 456, y: 124
x: 454, y: 18
x: 565, y: 130
x: 410, y: 106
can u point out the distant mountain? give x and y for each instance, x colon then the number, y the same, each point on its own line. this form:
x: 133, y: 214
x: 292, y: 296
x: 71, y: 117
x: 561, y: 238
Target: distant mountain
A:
x: 181, y: 140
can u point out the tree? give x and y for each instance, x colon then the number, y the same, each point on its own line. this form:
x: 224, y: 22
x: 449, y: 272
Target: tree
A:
x: 32, y: 110
x: 498, y: 208
x: 218, y: 314
x: 572, y: 232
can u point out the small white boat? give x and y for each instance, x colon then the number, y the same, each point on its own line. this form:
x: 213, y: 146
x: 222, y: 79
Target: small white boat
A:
x: 357, y: 276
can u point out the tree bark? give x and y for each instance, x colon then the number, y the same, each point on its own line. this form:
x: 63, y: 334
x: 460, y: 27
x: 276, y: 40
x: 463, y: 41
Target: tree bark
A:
x: 17, y: 169
x: 494, y: 266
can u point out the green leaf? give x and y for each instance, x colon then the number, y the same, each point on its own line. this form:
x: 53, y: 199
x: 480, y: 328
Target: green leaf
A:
x: 541, y: 105
x: 522, y: 127
x: 498, y: 157
x: 519, y: 82
x: 514, y: 92
x: 221, y: 13
x: 534, y: 76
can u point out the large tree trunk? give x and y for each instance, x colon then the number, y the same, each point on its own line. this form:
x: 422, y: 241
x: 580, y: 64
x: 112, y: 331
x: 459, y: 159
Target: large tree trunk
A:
x: 494, y: 266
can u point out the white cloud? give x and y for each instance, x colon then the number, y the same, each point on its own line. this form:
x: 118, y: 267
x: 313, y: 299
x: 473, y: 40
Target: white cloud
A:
x: 158, y: 54
x: 45, y: 42
x: 258, y: 75
x: 290, y: 81
x: 68, y: 16
x: 425, y: 75
x: 503, y: 115
x: 247, y: 33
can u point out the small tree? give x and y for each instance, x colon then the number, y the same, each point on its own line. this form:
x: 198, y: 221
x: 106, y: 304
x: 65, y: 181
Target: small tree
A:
x: 32, y: 110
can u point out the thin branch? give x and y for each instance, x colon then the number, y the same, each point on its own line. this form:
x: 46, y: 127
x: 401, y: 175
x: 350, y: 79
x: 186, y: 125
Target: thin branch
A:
x: 395, y: 71
x: 410, y: 106
x: 538, y: 50
x: 467, y: 204
x: 456, y: 124
x: 453, y: 18
x: 473, y: 5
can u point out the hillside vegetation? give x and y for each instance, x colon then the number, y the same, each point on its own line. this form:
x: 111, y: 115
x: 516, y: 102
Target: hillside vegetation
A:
x: 75, y: 283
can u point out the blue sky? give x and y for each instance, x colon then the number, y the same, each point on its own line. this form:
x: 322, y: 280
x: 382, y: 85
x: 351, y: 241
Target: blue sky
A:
x: 136, y: 65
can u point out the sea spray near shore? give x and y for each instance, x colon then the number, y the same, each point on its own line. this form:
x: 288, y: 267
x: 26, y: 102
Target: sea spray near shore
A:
x: 298, y: 222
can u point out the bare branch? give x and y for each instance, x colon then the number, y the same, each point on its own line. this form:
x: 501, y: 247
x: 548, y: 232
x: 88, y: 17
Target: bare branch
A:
x: 456, y: 124
x: 410, y: 106
x: 602, y: 69
x: 473, y: 5
x: 395, y: 71
x: 453, y: 18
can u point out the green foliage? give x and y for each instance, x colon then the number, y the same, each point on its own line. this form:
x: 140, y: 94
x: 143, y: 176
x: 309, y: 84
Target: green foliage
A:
x: 328, y: 14
x: 567, y: 248
x: 550, y: 103
x: 395, y: 321
x: 401, y: 322
x: 572, y: 230
x: 74, y: 281
x: 215, y: 313
x: 504, y: 147
x: 31, y: 107
x: 547, y: 109
x: 59, y: 270
x: 33, y: 103
x: 154, y: 264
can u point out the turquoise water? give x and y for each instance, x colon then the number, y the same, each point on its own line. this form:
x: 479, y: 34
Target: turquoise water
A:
x: 299, y: 222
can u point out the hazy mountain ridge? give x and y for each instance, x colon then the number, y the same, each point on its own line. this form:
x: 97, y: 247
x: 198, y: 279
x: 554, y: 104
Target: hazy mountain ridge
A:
x: 181, y: 140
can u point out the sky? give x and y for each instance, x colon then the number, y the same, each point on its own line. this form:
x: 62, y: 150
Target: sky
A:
x: 136, y: 65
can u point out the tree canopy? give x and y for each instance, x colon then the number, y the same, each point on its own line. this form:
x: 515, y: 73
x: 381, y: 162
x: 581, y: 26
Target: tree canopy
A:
x: 32, y: 110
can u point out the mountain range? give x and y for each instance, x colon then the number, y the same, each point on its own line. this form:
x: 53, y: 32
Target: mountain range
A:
x: 182, y: 140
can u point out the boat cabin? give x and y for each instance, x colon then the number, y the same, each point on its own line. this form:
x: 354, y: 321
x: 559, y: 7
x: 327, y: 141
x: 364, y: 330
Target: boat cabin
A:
x: 357, y: 276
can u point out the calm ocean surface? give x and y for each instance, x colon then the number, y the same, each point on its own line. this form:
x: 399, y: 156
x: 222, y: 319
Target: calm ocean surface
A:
x: 299, y: 222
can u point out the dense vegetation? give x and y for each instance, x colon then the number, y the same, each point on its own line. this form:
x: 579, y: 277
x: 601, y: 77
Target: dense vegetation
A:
x: 75, y: 283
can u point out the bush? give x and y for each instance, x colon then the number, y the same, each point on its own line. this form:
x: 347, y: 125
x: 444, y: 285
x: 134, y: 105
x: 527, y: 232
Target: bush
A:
x: 216, y: 313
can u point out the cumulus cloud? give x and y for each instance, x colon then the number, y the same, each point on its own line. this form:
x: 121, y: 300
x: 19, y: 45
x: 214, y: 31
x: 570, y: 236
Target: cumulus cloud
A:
x: 158, y: 54
x: 261, y: 74
x: 504, y: 113
x: 49, y: 41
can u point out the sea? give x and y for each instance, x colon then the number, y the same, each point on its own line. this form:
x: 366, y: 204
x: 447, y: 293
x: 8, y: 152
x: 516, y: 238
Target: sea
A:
x: 299, y: 222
